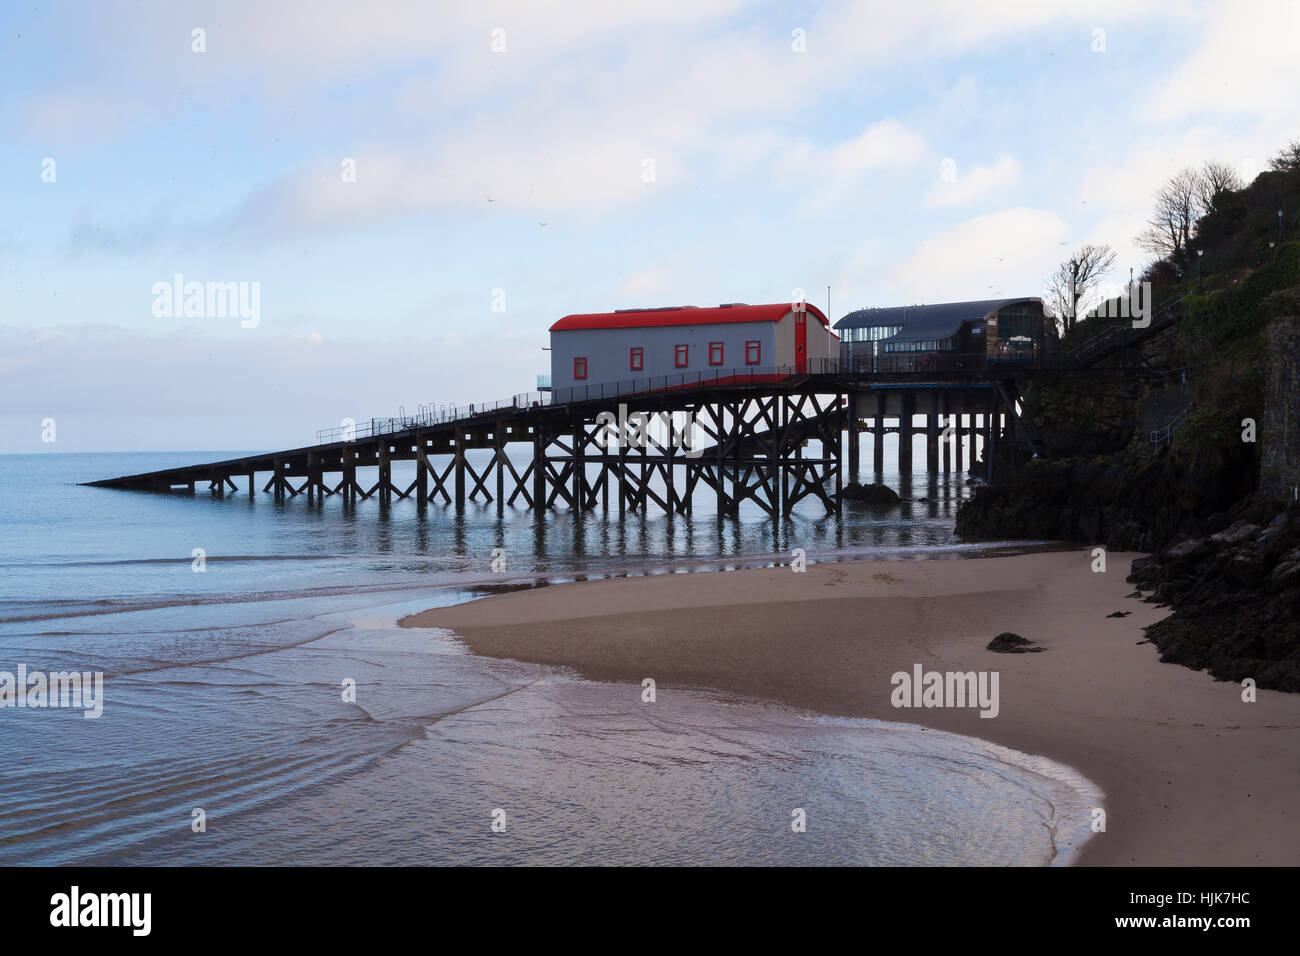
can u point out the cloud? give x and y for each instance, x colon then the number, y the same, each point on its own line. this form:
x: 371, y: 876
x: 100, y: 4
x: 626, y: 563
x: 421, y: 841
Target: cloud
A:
x: 1247, y: 62
x: 77, y: 115
x: 112, y: 388
x: 832, y: 171
x: 483, y: 168
x: 976, y: 184
x: 999, y: 254
x: 652, y: 280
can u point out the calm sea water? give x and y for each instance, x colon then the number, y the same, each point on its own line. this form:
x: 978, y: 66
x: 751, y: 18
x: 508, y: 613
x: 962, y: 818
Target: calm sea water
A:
x: 222, y: 693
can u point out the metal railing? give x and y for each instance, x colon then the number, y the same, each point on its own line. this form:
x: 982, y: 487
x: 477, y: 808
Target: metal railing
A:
x: 427, y: 415
x: 921, y: 363
x: 1161, y: 435
x: 1122, y: 333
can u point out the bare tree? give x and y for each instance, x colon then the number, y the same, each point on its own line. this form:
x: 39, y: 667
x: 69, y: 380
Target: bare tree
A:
x: 1178, y: 206
x: 1216, y: 179
x: 1074, y: 281
x: 1181, y: 201
x: 1288, y: 161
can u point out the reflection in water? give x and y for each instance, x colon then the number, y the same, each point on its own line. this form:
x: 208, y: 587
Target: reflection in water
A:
x: 222, y: 692
x: 259, y: 737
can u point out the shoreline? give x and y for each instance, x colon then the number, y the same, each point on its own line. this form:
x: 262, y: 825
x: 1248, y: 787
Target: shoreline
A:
x: 1192, y: 775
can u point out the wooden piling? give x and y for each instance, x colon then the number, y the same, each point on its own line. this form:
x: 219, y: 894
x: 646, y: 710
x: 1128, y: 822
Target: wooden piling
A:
x: 878, y: 433
x: 948, y: 432
x: 961, y: 429
x: 385, y: 474
x: 460, y: 470
x: 932, y: 434
x: 854, y: 450
x: 991, y: 434
x: 421, y: 470
x: 499, y: 459
x: 907, y: 402
x: 539, y: 468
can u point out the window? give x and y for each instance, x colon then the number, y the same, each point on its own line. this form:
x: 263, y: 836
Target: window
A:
x: 1015, y: 321
x: 715, y: 353
x: 580, y: 367
x: 870, y: 333
x: 636, y: 359
x: 753, y: 352
x: 681, y: 356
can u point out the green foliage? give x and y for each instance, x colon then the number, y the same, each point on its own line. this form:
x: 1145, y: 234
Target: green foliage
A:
x: 1232, y: 391
x: 1239, y: 311
x: 1237, y: 232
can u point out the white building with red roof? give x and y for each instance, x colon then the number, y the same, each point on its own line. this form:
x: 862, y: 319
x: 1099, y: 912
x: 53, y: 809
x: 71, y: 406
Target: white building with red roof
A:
x: 684, y: 345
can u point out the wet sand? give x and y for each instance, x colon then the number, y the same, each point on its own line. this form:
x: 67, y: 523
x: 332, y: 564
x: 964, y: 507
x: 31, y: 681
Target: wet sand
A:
x: 1192, y: 774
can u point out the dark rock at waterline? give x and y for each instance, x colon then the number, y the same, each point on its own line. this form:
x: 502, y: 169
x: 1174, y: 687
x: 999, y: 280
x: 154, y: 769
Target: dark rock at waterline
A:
x: 1119, y: 613
x: 877, y: 495
x: 1129, y: 502
x: 1008, y: 643
x: 1235, y: 594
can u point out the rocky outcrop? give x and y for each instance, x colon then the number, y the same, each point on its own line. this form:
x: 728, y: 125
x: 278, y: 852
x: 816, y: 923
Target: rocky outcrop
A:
x: 1280, y: 430
x: 1081, y: 418
x: 1128, y: 502
x: 877, y: 495
x: 1008, y: 643
x: 1236, y: 598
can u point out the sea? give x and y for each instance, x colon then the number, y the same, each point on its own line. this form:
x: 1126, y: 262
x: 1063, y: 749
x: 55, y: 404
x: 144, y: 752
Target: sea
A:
x: 225, y: 628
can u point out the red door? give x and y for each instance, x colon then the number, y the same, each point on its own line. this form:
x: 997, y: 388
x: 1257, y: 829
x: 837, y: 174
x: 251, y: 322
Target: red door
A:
x: 801, y: 342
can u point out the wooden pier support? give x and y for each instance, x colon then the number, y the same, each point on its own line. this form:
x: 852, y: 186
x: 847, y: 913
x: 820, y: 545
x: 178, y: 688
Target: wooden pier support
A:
x: 854, y: 439
x: 908, y: 403
x: 539, y: 470
x: 499, y: 459
x: 960, y: 435
x: 460, y: 470
x: 878, y: 433
x: 948, y: 433
x: 421, y: 470
x: 349, y: 477
x: 762, y: 441
x: 932, y: 434
x: 991, y: 441
x: 579, y: 466
x: 385, y: 486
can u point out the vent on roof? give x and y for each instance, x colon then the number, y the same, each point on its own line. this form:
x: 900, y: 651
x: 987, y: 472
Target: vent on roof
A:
x: 662, y: 308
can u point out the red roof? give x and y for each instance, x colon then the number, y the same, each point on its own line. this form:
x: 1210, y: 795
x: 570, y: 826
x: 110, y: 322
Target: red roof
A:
x: 686, y: 315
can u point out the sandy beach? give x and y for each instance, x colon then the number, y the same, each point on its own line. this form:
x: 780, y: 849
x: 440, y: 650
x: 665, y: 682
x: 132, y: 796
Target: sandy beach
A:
x: 1192, y: 774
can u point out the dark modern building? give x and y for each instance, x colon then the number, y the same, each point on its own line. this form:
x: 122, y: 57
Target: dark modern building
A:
x: 950, y: 335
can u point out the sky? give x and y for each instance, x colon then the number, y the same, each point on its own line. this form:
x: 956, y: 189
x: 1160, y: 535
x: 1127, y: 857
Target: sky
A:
x: 415, y: 191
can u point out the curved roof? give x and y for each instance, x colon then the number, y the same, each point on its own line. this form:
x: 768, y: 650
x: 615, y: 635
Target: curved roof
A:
x: 682, y: 315
x: 928, y: 321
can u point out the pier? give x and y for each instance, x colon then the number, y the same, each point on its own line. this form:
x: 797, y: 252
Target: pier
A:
x: 771, y: 436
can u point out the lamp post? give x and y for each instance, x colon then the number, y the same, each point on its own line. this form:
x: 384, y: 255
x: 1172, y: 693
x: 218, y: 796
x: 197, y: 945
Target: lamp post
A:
x: 1199, y: 253
x: 1279, y: 227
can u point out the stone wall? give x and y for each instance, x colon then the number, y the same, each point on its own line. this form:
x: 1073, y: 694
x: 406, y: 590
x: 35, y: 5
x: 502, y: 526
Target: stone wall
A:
x: 1084, y: 418
x: 1279, y: 432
